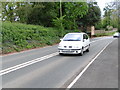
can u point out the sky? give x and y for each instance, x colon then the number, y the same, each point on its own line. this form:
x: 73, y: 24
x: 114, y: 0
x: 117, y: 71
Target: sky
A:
x: 102, y: 3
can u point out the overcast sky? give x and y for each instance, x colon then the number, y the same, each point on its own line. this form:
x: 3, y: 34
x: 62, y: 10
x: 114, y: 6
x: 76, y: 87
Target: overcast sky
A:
x: 101, y: 4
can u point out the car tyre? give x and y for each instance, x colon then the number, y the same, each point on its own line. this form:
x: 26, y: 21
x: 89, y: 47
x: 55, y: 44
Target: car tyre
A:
x: 60, y: 54
x: 88, y: 49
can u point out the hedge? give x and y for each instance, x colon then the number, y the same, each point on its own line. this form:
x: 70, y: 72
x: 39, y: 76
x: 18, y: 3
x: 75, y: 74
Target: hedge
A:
x: 18, y: 37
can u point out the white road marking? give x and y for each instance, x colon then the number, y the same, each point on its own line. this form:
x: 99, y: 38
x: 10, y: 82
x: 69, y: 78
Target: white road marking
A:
x: 5, y: 71
x: 81, y: 73
x: 19, y: 66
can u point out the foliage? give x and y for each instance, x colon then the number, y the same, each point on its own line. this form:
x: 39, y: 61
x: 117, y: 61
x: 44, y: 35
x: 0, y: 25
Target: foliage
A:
x: 17, y: 37
x: 109, y: 28
x: 99, y: 25
x: 111, y: 15
x: 8, y: 10
x: 104, y: 34
x: 43, y: 13
x: 104, y: 22
x: 20, y: 36
x: 23, y: 12
x: 72, y: 11
x: 92, y: 17
x: 57, y: 22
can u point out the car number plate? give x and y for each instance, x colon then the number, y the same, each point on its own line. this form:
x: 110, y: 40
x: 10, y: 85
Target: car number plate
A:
x: 68, y: 51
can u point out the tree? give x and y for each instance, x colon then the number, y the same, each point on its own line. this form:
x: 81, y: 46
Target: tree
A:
x: 107, y: 15
x: 43, y: 13
x: 72, y: 11
x: 111, y: 15
x: 118, y: 9
x: 23, y: 11
x: 91, y: 18
x: 8, y: 11
x: 39, y: 13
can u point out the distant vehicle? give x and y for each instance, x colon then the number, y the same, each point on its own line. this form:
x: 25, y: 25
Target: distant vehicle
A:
x: 116, y: 35
x: 74, y: 43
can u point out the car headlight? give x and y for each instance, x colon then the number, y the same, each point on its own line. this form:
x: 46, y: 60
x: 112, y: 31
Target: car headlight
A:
x: 59, y: 46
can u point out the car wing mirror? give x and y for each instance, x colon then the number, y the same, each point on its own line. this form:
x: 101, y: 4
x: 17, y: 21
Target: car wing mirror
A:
x: 61, y: 39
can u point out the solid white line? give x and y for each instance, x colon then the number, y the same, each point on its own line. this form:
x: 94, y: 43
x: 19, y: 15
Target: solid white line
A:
x: 5, y: 71
x: 19, y: 66
x: 81, y: 73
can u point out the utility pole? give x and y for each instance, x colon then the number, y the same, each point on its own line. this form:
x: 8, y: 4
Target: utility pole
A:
x: 60, y: 18
x: 60, y: 9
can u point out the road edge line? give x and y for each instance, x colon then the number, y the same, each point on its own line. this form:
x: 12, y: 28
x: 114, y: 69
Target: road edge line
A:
x: 81, y: 73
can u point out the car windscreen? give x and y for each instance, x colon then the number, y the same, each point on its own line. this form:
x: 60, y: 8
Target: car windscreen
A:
x: 72, y: 37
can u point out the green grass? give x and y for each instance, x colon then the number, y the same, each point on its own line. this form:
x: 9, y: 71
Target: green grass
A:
x: 17, y: 37
x: 104, y: 34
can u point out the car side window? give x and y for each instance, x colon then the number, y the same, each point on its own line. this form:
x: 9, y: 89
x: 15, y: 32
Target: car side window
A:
x: 84, y: 36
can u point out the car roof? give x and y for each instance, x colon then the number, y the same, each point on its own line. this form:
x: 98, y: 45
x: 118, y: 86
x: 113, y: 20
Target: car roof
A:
x: 77, y: 33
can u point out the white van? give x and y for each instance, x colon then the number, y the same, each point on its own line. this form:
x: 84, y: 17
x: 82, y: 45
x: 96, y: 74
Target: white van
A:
x: 74, y: 43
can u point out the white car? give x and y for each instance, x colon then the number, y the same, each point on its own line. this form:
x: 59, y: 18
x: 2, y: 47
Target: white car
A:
x: 117, y: 34
x: 74, y: 43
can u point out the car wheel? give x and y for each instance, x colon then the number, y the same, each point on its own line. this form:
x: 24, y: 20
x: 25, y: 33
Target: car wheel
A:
x: 81, y: 52
x: 60, y: 54
x: 88, y: 49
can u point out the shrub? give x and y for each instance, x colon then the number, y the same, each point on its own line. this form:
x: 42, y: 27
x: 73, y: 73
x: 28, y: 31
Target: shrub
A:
x: 109, y: 28
x: 17, y: 36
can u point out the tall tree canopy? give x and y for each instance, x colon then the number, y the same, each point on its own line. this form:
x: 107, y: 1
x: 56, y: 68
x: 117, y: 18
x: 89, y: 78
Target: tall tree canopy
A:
x: 111, y: 15
x: 72, y: 11
x: 8, y: 11
x: 92, y: 17
x: 42, y: 13
x: 50, y: 14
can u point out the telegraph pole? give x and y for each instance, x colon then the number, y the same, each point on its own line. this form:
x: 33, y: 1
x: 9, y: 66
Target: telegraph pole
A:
x: 60, y: 9
x: 60, y: 18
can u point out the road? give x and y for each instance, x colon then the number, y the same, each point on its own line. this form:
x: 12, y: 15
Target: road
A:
x: 33, y: 69
x: 103, y: 72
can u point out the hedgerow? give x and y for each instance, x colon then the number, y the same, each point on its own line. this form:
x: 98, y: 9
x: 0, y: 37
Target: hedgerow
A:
x: 18, y: 37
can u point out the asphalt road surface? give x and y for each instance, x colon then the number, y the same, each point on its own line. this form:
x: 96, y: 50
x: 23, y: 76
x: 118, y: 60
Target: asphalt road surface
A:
x: 45, y: 68
x: 103, y: 72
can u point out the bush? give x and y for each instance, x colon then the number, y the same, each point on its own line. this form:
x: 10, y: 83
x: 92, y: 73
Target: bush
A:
x: 109, y: 28
x: 17, y: 36
x: 98, y: 26
x: 22, y: 36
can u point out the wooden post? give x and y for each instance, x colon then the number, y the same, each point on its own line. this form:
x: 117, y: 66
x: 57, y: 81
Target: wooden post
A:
x: 92, y: 30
